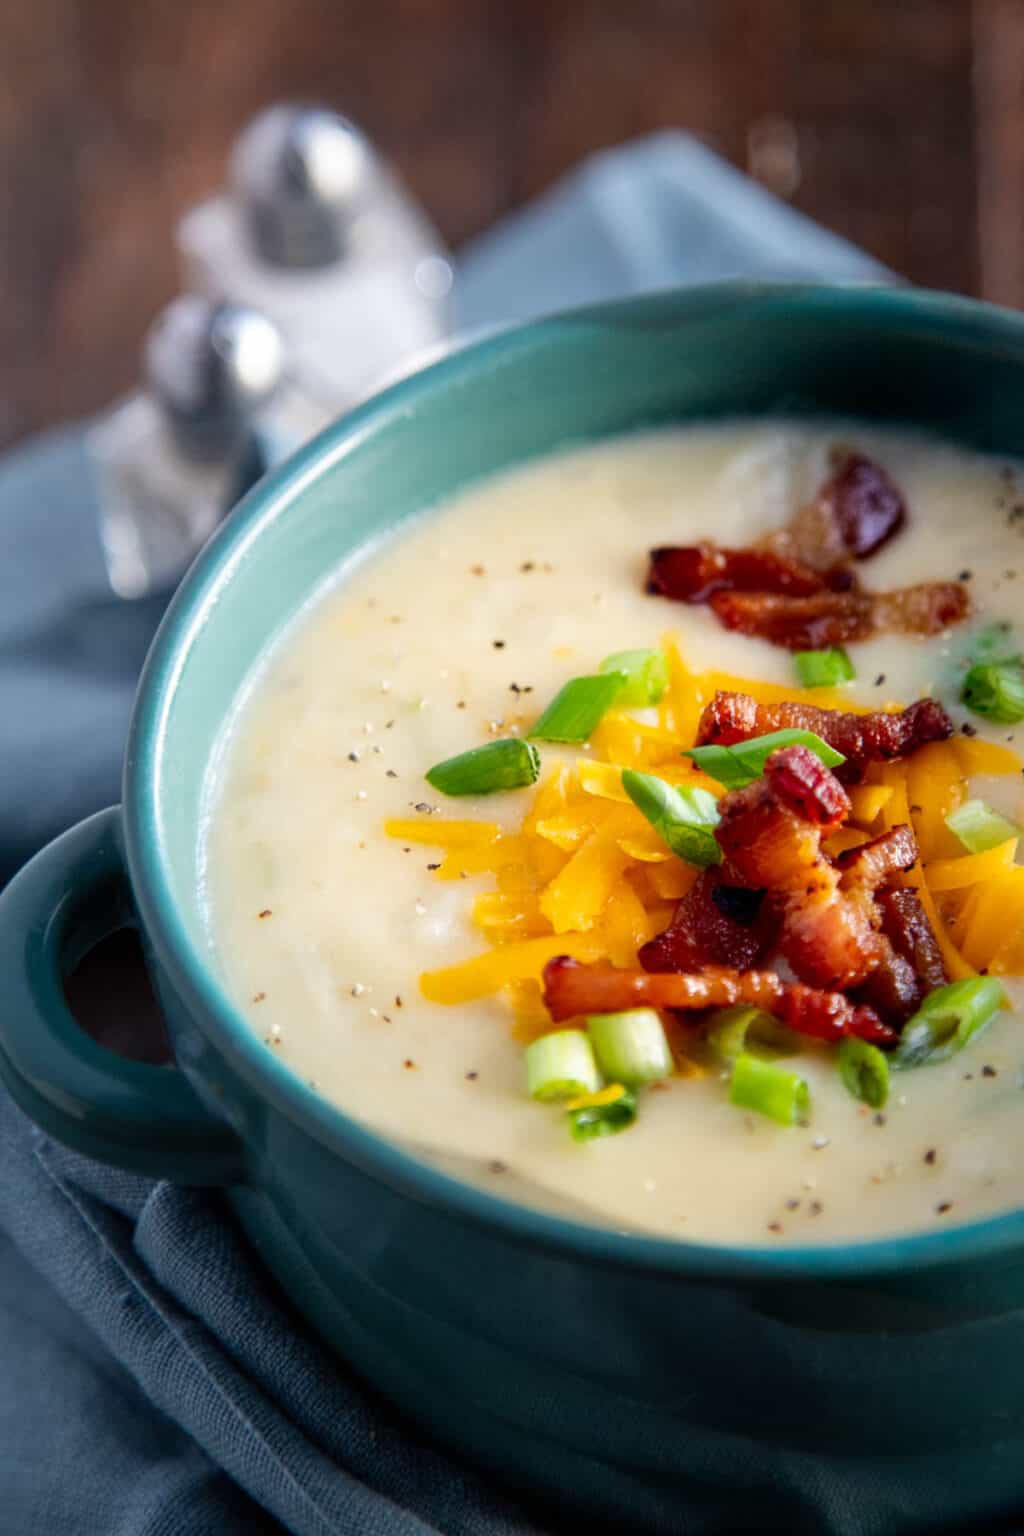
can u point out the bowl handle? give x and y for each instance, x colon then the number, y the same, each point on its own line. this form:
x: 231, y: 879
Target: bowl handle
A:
x: 144, y: 1118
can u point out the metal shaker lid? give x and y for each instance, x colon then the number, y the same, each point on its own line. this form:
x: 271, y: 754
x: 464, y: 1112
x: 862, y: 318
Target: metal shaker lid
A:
x: 301, y: 174
x: 211, y: 367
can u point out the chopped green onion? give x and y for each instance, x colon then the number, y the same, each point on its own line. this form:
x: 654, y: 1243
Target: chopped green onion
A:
x: 864, y: 1071
x: 731, y: 1031
x: 824, y: 669
x: 993, y: 643
x: 771, y: 1090
x: 979, y: 827
x: 743, y: 763
x: 593, y: 1120
x: 507, y: 764
x: 630, y: 1047
x: 561, y: 1066
x: 948, y: 1019
x: 995, y: 690
x: 645, y: 675
x: 684, y: 818
x: 578, y: 709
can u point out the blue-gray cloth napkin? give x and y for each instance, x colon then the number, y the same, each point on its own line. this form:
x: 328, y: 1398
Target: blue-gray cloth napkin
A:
x: 153, y: 1380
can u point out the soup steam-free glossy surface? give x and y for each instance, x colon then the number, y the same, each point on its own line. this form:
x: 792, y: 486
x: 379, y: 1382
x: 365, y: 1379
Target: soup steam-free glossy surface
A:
x: 464, y: 627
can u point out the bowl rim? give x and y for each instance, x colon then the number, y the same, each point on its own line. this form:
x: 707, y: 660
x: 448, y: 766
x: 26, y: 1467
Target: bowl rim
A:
x: 959, y: 320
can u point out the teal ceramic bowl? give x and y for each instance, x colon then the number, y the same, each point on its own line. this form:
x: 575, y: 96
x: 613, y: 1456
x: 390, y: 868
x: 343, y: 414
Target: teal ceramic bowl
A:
x: 869, y: 1385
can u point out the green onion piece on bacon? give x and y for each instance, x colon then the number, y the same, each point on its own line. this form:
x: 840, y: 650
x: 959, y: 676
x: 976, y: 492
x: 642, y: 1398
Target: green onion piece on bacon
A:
x: 824, y: 669
x: 644, y: 673
x: 948, y: 1019
x: 769, y: 1089
x: 631, y: 1047
x: 561, y: 1066
x: 684, y: 818
x: 979, y: 827
x: 744, y: 762
x: 507, y: 764
x: 864, y: 1071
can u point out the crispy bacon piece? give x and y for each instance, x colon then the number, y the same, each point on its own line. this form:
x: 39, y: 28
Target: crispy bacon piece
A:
x: 764, y: 845
x: 693, y: 573
x: 714, y: 924
x: 831, y: 926
x: 770, y: 834
x: 798, y: 779
x: 906, y: 926
x: 874, y: 862
x: 854, y: 513
x: 862, y: 739
x: 866, y: 505
x: 572, y: 989
x: 829, y: 936
x: 892, y: 989
x: 838, y: 618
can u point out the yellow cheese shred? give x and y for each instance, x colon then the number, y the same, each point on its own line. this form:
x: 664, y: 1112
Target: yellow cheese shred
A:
x: 488, y: 973
x: 970, y: 868
x: 867, y: 802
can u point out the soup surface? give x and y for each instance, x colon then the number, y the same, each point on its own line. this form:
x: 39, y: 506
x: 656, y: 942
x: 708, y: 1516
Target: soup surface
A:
x: 463, y: 629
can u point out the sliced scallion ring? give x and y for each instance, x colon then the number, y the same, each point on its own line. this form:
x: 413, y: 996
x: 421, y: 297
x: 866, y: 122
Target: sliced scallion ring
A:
x: 824, y: 669
x: 579, y: 707
x: 561, y: 1066
x: 510, y: 763
x: 684, y: 818
x: 947, y: 1020
x: 979, y: 827
x: 864, y: 1071
x: 604, y: 1118
x: 631, y: 1047
x: 644, y: 674
x: 769, y: 1089
x: 744, y: 1028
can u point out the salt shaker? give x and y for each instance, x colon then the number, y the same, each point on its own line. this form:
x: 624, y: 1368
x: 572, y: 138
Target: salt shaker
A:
x: 316, y: 232
x: 171, y: 460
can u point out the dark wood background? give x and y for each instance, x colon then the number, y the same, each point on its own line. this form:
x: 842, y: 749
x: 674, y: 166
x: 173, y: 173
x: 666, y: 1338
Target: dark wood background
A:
x: 898, y: 122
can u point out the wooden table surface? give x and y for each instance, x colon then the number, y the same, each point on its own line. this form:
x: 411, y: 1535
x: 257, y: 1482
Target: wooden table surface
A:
x: 899, y: 123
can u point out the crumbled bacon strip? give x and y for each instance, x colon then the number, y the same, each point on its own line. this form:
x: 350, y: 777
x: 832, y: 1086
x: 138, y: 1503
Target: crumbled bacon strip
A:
x: 892, y: 989
x: 765, y: 845
x: 875, y: 862
x: 714, y: 924
x: 839, y: 618
x: 798, y: 779
x: 855, y: 512
x: 867, y: 506
x: 770, y: 835
x: 572, y: 989
x: 862, y: 739
x: 694, y: 573
x: 906, y: 926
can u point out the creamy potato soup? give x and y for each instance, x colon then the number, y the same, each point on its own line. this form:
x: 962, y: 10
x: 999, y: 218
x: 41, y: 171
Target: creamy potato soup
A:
x: 344, y: 904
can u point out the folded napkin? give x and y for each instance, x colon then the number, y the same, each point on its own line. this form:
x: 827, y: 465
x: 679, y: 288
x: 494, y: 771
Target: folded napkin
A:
x: 153, y: 1381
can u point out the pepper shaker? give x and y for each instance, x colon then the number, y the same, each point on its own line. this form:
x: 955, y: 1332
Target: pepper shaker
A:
x: 316, y: 232
x: 171, y: 460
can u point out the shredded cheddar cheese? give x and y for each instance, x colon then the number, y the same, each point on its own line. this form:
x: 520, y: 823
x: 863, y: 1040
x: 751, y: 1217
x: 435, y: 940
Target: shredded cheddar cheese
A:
x: 586, y: 875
